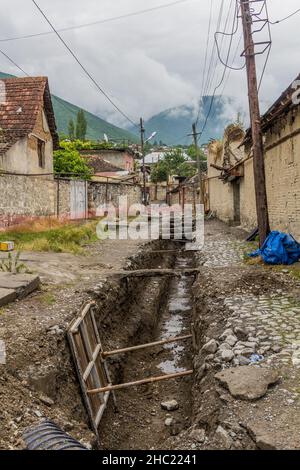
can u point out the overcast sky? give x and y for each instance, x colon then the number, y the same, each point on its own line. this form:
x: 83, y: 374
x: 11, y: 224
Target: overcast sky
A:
x: 146, y: 63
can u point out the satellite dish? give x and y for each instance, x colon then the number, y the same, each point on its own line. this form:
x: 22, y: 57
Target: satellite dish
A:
x: 106, y: 138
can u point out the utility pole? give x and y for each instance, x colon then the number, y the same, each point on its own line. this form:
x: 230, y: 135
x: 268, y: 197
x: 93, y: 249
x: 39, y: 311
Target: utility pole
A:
x: 142, y: 129
x: 195, y: 137
x: 257, y: 139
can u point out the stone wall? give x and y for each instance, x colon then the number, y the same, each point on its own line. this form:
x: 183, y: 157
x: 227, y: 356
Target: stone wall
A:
x: 100, y: 194
x: 25, y: 198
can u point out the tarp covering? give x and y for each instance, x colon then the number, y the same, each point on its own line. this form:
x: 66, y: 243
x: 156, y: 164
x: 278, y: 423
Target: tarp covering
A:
x: 279, y: 248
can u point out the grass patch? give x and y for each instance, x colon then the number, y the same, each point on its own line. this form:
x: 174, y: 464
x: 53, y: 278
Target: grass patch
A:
x: 48, y: 298
x: 68, y: 238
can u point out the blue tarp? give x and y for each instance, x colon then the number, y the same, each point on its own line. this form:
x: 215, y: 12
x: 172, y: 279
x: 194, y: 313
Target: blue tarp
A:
x: 279, y: 248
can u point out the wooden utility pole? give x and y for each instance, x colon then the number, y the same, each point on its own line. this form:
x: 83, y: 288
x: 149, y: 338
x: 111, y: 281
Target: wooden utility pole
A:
x: 142, y: 129
x: 195, y: 137
x: 258, y: 148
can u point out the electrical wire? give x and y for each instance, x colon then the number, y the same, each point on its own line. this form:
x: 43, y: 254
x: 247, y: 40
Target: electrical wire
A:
x: 14, y: 63
x: 205, y: 60
x: 224, y: 72
x: 211, y: 71
x: 95, y: 23
x: 286, y: 18
x: 88, y: 74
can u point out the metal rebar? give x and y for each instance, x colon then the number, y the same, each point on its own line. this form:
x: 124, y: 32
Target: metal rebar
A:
x: 140, y: 382
x: 144, y: 346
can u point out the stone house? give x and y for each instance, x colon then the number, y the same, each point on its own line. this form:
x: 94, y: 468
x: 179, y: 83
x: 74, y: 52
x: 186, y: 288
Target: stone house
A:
x: 27, y: 126
x: 231, y: 183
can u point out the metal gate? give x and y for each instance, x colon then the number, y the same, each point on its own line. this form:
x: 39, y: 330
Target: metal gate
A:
x: 78, y: 199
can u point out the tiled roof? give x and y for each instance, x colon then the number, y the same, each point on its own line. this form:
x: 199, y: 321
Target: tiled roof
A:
x: 100, y: 165
x: 20, y: 103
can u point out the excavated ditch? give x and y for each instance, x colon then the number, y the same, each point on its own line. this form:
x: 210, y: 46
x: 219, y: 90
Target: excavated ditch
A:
x: 129, y: 311
x: 145, y: 311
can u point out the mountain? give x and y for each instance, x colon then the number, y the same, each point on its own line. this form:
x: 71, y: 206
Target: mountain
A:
x: 97, y: 127
x: 174, y: 124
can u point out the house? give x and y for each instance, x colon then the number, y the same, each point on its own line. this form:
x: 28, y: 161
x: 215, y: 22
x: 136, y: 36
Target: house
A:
x: 119, y: 157
x: 27, y: 126
x: 231, y: 186
x: 103, y: 169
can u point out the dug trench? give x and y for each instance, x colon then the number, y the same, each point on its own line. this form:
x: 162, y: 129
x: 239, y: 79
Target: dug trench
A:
x: 39, y: 380
x: 155, y: 309
x: 226, y: 298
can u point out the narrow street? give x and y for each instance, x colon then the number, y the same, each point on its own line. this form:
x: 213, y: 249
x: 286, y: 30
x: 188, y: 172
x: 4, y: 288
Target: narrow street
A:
x: 233, y: 309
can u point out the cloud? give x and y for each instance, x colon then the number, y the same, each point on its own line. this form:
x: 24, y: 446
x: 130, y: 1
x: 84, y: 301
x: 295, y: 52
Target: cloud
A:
x: 146, y: 63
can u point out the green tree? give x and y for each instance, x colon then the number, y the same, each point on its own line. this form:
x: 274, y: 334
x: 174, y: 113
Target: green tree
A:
x: 174, y: 163
x: 81, y: 125
x: 71, y: 129
x: 191, y: 151
x: 69, y: 163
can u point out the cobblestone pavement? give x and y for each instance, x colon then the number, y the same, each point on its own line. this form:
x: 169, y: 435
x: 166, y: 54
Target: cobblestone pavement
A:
x: 271, y: 320
x: 222, y: 252
x: 274, y: 323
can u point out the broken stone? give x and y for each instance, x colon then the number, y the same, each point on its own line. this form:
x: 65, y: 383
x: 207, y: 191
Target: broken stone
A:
x: 227, y: 355
x: 169, y: 422
x: 226, y: 333
x: 198, y: 435
x: 224, y: 437
x: 241, y: 333
x: 170, y: 405
x: 276, y: 348
x: 46, y: 400
x: 247, y: 382
x: 243, y: 361
x: 210, y: 347
x: 231, y: 340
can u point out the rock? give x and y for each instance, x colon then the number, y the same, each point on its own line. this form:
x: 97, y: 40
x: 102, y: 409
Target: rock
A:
x: 56, y: 330
x: 46, y: 400
x: 198, y: 435
x: 211, y: 347
x: 209, y: 358
x: 241, y: 333
x: 243, y: 361
x: 226, y: 333
x: 38, y: 413
x: 247, y: 352
x: 231, y: 340
x: 170, y: 405
x: 224, y: 346
x: 227, y: 355
x: 169, y: 422
x: 224, y: 437
x: 247, y: 382
x: 276, y: 348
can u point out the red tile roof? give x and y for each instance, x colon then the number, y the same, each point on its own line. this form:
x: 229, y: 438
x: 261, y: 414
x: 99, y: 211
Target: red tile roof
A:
x: 100, y: 165
x: 19, y: 108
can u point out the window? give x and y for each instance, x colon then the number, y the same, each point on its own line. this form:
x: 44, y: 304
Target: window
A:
x: 41, y: 153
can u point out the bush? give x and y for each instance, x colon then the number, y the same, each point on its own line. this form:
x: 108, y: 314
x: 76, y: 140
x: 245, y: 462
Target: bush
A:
x: 69, y: 163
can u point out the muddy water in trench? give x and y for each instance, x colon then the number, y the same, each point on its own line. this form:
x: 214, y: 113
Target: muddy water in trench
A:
x: 140, y: 422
